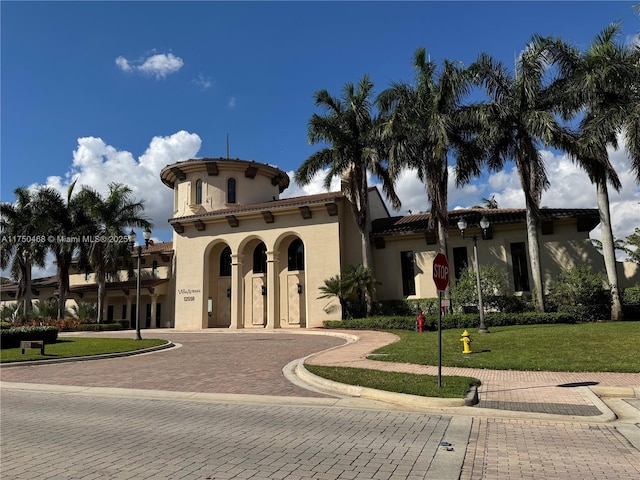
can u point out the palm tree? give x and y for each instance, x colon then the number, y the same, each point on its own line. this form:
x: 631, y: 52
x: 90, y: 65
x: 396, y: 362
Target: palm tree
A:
x: 602, y: 85
x: 335, y: 287
x: 112, y: 216
x: 65, y: 223
x: 354, y: 279
x: 518, y: 120
x: 22, y: 243
x: 488, y: 203
x: 353, y: 150
x: 424, y: 123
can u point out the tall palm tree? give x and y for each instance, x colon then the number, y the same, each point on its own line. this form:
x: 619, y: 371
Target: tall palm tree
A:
x: 601, y: 85
x: 424, y: 123
x: 349, y: 128
x: 518, y: 120
x: 66, y: 222
x: 488, y: 203
x: 111, y: 217
x: 21, y: 247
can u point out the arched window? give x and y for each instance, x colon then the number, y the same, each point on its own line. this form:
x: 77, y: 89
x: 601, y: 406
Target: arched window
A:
x: 198, y: 192
x: 295, y: 255
x: 260, y: 259
x: 225, y: 262
x: 231, y: 190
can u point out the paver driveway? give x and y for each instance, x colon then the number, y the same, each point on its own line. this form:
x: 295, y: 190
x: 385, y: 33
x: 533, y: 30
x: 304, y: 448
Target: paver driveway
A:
x: 234, y: 362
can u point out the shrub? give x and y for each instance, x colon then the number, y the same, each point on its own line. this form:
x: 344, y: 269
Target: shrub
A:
x: 631, y: 303
x: 85, y: 311
x: 580, y: 293
x: 11, y: 313
x: 62, y: 325
x: 493, y: 283
x: 46, y: 308
x: 353, y: 283
x: 98, y: 327
x: 11, y: 337
x: 513, y: 304
x: 405, y: 307
x: 451, y: 321
x: 631, y: 295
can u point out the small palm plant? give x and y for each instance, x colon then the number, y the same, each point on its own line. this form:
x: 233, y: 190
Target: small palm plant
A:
x: 355, y: 280
x: 46, y: 309
x: 85, y: 311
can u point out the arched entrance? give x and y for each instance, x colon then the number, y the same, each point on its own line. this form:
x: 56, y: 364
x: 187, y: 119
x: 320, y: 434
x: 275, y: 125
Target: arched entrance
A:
x: 293, y: 312
x: 255, y: 284
x: 219, y: 290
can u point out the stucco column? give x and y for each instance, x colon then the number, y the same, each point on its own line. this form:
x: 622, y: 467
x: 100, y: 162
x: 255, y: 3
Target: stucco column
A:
x: 154, y: 299
x: 237, y: 279
x: 272, y: 290
x: 129, y: 317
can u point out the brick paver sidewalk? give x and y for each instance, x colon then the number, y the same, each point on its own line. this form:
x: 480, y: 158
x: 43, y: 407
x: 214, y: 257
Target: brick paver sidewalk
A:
x: 544, y: 392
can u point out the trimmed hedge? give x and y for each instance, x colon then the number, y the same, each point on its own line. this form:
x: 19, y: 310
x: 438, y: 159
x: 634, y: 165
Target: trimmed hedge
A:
x: 11, y: 337
x: 451, y: 321
x: 97, y: 327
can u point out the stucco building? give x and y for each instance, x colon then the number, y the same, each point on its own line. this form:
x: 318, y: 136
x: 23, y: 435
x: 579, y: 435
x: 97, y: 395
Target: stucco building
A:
x: 242, y: 257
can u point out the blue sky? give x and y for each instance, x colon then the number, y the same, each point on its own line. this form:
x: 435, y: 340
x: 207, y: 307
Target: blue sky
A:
x: 113, y: 91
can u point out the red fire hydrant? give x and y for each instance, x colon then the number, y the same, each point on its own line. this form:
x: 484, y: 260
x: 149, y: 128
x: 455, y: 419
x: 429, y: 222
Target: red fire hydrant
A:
x: 420, y: 321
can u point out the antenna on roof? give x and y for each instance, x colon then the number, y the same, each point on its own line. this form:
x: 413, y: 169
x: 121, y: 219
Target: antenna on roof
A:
x: 227, y: 146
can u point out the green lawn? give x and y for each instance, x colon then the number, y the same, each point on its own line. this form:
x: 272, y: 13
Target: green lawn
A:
x: 424, y: 385
x: 78, y: 347
x: 589, y: 347
x: 599, y: 347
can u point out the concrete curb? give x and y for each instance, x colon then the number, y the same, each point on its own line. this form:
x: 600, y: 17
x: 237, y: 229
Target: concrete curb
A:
x: 306, y: 379
x: 92, y: 357
x: 607, y: 414
x: 406, y: 400
x: 624, y: 392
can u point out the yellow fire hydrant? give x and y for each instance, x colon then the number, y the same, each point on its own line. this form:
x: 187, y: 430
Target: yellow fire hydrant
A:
x: 466, y: 341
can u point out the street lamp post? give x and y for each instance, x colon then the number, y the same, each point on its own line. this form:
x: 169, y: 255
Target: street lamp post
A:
x: 484, y: 225
x: 132, y: 243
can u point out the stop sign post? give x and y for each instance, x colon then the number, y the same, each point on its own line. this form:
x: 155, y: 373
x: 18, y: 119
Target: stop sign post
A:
x: 441, y: 279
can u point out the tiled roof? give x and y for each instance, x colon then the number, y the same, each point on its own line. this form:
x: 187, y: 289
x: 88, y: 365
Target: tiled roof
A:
x: 52, y: 282
x: 419, y: 223
x: 272, y: 205
x: 128, y: 284
x: 36, y: 283
x: 160, y: 247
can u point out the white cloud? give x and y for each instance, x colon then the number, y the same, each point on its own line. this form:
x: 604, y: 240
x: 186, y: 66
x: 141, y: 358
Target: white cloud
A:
x: 96, y: 164
x: 570, y: 188
x: 315, y: 186
x: 159, y: 65
x: 203, y: 82
x: 123, y: 63
x: 232, y: 102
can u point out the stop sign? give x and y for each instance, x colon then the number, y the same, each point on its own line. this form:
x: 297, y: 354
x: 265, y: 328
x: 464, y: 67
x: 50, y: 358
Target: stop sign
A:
x: 441, y: 271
